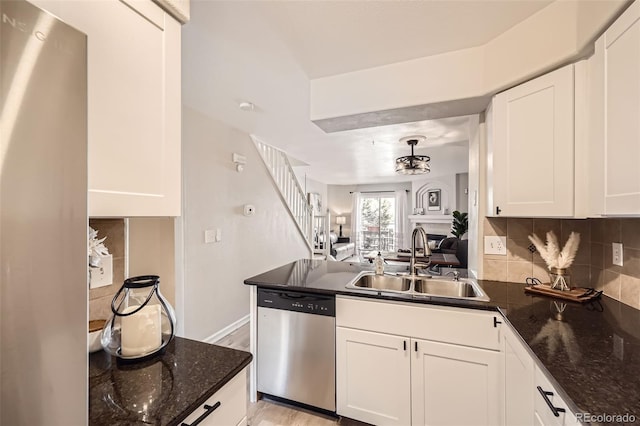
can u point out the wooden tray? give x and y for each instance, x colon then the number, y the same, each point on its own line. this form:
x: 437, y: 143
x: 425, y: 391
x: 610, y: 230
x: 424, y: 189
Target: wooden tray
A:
x: 576, y: 294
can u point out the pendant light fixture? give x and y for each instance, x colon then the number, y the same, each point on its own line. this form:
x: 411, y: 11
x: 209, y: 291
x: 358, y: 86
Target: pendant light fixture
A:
x: 413, y: 164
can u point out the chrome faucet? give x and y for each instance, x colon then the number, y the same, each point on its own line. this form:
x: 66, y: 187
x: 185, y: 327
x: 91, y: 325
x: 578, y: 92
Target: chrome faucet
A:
x: 413, y: 265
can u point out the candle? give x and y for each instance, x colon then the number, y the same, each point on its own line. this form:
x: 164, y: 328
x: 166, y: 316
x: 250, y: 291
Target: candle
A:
x: 141, y: 332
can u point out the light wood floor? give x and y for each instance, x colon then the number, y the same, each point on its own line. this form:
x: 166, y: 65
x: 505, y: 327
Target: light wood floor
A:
x: 271, y: 413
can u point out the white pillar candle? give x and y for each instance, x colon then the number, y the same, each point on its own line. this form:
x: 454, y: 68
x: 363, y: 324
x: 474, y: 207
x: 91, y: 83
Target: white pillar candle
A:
x: 141, y: 332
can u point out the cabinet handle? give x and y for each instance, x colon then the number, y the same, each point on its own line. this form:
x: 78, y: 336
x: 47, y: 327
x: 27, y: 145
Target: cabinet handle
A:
x: 416, y: 346
x: 555, y: 410
x: 498, y: 210
x: 208, y: 410
x: 404, y: 344
x: 496, y: 322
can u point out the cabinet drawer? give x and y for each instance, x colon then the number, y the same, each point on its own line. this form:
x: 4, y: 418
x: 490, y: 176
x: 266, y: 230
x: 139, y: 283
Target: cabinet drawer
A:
x: 231, y: 403
x: 460, y: 326
x: 543, y: 411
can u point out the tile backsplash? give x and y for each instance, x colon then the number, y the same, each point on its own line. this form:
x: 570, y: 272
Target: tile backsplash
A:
x: 150, y: 252
x: 100, y: 298
x: 592, y: 267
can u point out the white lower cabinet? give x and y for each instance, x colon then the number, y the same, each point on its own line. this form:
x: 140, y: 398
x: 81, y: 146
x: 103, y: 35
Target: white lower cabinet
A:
x: 454, y: 385
x: 227, y: 407
x: 373, y: 377
x: 524, y: 386
x: 518, y: 381
x: 386, y: 377
x: 549, y: 407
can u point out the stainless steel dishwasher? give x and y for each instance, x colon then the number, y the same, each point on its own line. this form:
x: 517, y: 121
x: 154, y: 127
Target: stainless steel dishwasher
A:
x: 296, y: 347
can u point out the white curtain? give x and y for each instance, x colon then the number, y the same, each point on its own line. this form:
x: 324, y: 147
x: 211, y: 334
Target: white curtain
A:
x: 356, y: 204
x: 402, y: 219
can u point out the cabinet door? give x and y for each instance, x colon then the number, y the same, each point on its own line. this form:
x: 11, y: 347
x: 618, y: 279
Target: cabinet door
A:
x: 518, y: 381
x: 620, y: 47
x: 455, y: 385
x: 226, y: 407
x: 532, y: 148
x: 373, y: 378
x: 133, y: 106
x: 543, y: 412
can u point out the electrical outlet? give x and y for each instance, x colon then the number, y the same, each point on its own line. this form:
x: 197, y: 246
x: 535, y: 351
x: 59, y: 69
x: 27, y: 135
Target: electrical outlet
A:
x: 103, y: 274
x: 495, y: 245
x: 617, y: 253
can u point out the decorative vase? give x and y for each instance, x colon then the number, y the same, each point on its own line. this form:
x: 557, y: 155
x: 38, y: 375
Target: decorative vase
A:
x: 142, y: 322
x: 560, y: 279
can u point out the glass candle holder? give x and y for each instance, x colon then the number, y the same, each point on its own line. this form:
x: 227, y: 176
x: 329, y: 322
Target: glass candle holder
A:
x: 142, y: 322
x: 560, y: 279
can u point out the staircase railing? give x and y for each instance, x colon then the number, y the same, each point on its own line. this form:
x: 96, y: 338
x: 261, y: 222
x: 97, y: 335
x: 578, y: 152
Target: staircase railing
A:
x: 291, y: 192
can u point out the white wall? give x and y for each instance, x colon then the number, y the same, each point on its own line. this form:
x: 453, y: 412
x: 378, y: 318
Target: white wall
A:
x: 212, y: 295
x: 557, y: 34
x: 447, y: 186
x: 477, y: 180
x: 339, y: 200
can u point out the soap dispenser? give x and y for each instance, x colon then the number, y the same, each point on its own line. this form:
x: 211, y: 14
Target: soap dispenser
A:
x: 379, y: 264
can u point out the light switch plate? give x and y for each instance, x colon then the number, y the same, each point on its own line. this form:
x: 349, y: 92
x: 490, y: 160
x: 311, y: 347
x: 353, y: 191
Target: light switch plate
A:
x: 209, y: 236
x: 495, y: 245
x: 103, y: 274
x: 617, y: 257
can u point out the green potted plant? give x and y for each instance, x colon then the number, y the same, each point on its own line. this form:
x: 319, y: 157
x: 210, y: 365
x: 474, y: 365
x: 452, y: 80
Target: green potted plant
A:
x: 460, y: 224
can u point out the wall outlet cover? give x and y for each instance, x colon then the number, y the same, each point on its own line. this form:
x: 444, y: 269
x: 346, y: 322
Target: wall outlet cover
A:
x: 103, y: 274
x: 617, y: 255
x: 495, y: 245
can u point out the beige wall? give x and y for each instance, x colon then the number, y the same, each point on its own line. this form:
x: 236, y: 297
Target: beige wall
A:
x: 151, y: 251
x: 212, y: 295
x: 592, y: 266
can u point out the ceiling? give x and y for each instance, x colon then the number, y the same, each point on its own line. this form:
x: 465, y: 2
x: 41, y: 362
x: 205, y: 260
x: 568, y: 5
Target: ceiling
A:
x: 266, y: 52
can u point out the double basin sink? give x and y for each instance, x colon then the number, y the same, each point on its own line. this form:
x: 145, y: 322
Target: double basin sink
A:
x: 463, y: 289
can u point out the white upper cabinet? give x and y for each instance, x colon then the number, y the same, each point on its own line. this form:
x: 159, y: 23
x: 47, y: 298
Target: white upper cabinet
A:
x: 618, y: 52
x: 133, y: 106
x: 531, y: 148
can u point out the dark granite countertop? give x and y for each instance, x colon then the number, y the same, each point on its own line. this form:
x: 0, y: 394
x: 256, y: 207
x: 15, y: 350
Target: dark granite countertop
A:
x: 161, y: 391
x: 591, y: 351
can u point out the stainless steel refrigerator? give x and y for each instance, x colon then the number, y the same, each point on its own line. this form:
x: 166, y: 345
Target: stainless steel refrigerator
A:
x: 43, y: 219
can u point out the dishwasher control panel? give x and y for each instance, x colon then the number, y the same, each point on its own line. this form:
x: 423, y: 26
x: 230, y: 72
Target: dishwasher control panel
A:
x: 308, y: 303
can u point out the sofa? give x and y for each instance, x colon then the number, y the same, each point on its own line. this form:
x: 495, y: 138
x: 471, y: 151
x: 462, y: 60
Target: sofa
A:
x: 453, y: 245
x: 341, y: 251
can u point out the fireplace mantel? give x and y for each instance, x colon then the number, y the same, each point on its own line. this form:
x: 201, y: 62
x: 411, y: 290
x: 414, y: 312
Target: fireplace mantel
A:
x: 431, y: 218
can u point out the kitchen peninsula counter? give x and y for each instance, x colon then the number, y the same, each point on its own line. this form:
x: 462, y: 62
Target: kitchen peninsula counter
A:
x: 163, y: 390
x: 591, y: 351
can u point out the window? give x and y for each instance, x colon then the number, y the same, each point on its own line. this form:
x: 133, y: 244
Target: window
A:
x: 377, y: 220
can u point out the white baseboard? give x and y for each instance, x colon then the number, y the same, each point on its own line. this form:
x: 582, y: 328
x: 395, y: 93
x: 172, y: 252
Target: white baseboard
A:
x: 227, y: 330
